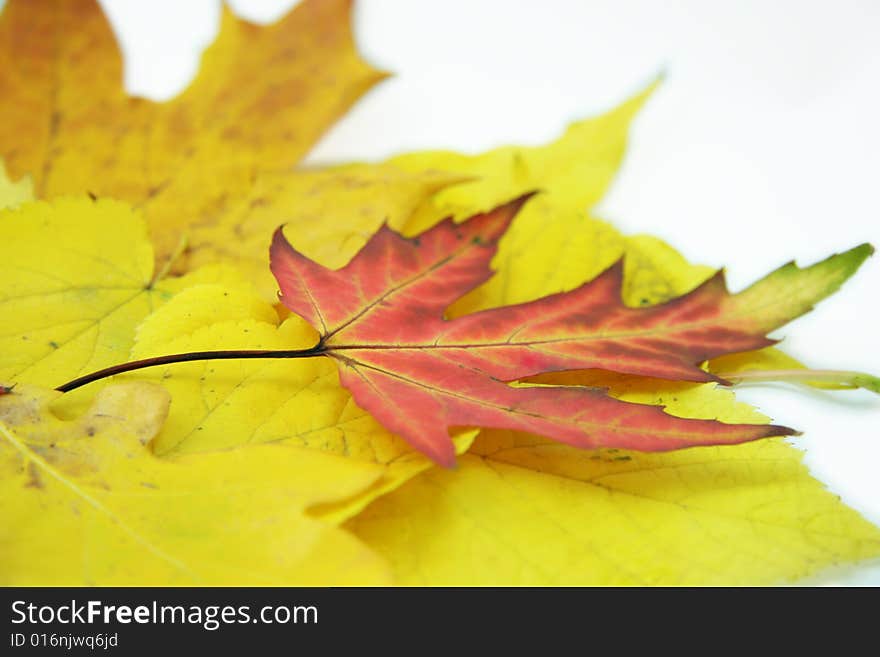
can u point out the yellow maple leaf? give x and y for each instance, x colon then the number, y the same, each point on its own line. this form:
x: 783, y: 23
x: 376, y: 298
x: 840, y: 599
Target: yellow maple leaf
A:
x: 576, y: 167
x: 549, y: 514
x: 329, y: 213
x: 78, y: 279
x: 128, y: 518
x: 262, y: 97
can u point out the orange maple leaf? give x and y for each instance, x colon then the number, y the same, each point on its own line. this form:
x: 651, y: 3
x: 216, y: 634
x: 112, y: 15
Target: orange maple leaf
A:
x: 262, y: 97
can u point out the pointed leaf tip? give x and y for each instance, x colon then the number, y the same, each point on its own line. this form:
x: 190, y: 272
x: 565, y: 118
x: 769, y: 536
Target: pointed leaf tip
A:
x: 517, y: 203
x: 866, y: 249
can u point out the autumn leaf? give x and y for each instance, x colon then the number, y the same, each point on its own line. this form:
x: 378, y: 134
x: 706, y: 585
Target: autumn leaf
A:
x: 211, y: 172
x: 381, y: 318
x: 78, y: 278
x: 332, y: 212
x: 129, y: 518
x: 262, y: 97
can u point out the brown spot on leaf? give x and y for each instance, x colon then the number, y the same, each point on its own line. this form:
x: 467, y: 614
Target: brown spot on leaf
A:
x: 35, y: 480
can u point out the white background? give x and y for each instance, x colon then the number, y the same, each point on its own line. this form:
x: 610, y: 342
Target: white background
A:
x: 762, y: 145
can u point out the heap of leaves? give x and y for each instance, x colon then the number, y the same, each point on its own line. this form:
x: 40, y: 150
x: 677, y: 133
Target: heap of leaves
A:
x: 151, y: 236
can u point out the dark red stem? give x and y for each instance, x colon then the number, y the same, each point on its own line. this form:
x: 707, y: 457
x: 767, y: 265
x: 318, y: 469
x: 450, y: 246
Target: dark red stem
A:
x: 317, y: 350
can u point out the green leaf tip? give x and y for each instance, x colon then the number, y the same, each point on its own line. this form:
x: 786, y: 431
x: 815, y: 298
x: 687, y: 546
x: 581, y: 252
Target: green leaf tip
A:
x: 858, y: 253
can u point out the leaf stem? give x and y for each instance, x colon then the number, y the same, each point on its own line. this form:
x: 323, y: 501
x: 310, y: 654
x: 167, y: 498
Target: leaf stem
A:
x: 317, y: 350
x: 834, y: 377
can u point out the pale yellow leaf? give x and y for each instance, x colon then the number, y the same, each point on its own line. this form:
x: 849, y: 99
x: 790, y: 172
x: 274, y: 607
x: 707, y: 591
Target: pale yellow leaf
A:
x: 328, y: 214
x: 576, y: 168
x: 77, y: 280
x: 521, y: 510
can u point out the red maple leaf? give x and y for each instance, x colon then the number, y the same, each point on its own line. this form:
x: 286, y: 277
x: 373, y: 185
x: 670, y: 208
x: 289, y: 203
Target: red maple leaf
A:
x: 382, y: 318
